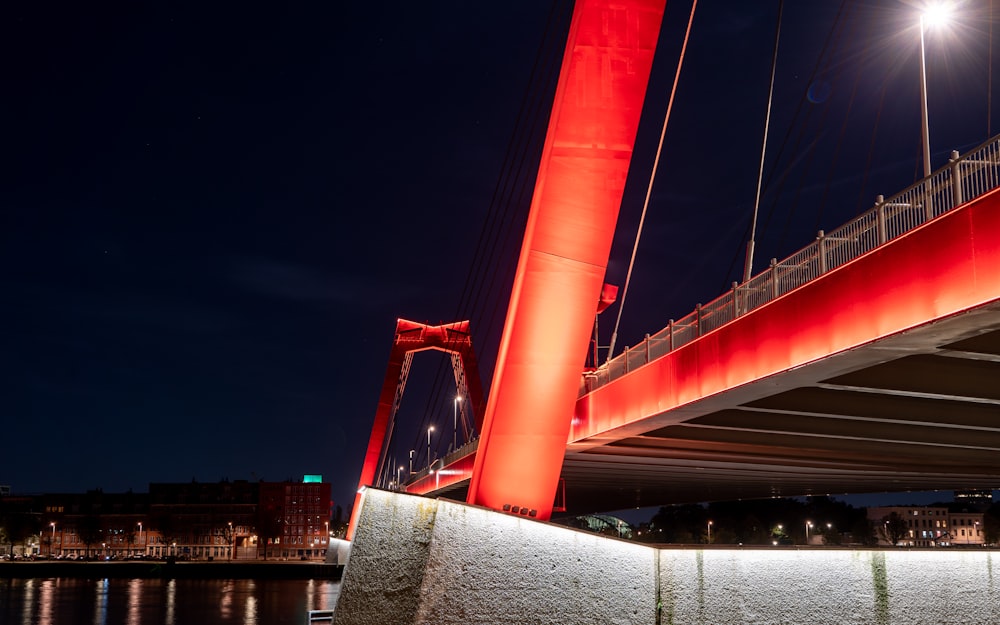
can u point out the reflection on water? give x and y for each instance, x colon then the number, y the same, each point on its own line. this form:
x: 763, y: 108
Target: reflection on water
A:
x: 65, y: 601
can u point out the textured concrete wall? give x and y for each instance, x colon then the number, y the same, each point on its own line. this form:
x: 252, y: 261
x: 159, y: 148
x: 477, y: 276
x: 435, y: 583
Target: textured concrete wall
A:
x: 338, y: 551
x: 417, y: 560
x: 387, y: 560
x: 827, y: 586
x: 531, y: 572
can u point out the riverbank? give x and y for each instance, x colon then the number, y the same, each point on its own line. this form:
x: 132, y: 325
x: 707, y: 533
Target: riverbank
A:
x: 174, y: 570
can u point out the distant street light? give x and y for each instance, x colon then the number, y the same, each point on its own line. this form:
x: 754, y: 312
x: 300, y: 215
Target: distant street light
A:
x: 710, y: 532
x: 52, y: 543
x: 429, y: 430
x: 231, y: 541
x: 412, y: 452
x: 454, y: 436
x: 399, y: 477
x: 140, y: 539
x: 809, y: 524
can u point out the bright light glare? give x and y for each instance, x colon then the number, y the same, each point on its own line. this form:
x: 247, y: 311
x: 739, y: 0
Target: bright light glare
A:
x: 936, y: 15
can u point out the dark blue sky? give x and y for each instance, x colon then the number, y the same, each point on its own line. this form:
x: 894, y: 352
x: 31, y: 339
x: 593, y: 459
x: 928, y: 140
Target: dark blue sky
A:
x: 210, y: 218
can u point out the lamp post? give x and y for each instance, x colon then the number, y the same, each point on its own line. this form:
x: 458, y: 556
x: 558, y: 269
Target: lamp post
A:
x: 710, y: 532
x: 52, y: 542
x: 399, y: 477
x: 934, y: 14
x: 140, y: 539
x: 232, y: 541
x: 412, y: 451
x: 924, y: 126
x: 809, y: 524
x: 429, y: 430
x: 454, y: 436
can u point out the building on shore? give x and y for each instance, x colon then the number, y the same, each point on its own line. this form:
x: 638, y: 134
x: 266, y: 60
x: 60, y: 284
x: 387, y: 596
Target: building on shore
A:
x: 927, y: 526
x: 231, y: 520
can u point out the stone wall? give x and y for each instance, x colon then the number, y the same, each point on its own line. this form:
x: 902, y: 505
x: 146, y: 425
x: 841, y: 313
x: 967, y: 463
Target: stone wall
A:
x: 417, y: 560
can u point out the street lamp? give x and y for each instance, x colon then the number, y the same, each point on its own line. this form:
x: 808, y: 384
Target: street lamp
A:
x: 232, y: 541
x: 933, y: 15
x: 710, y: 532
x: 52, y: 543
x: 454, y: 436
x: 399, y: 477
x: 412, y: 451
x: 809, y: 524
x: 429, y: 430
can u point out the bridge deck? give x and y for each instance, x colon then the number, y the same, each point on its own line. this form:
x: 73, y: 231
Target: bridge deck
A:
x: 880, y: 374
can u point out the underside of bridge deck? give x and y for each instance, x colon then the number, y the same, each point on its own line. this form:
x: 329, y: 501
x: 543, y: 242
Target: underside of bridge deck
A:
x: 916, y: 411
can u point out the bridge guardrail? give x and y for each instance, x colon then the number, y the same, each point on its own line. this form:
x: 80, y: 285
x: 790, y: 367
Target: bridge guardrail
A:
x: 964, y: 178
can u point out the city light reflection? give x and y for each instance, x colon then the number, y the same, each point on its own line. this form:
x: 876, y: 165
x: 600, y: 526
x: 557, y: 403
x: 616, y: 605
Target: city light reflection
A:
x: 134, y: 601
x: 250, y: 611
x: 171, y: 602
x: 101, y: 602
x: 59, y: 601
x: 46, y: 593
x: 29, y: 602
x: 226, y: 602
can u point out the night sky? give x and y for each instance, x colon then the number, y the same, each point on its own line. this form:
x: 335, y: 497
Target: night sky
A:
x: 212, y: 216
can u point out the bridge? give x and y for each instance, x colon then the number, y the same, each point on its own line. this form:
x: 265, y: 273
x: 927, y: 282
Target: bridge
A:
x: 862, y: 363
x: 865, y: 362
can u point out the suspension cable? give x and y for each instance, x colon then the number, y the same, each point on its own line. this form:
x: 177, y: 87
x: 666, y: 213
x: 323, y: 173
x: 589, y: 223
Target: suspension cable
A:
x: 748, y: 266
x: 652, y: 177
x: 498, y: 225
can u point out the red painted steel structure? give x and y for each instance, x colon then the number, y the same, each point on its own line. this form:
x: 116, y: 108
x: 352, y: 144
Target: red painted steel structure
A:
x: 449, y: 475
x: 581, y: 178
x: 945, y: 267
x: 453, y: 338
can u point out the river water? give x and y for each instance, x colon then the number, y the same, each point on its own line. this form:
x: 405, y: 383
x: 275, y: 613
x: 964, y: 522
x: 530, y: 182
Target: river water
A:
x: 66, y: 601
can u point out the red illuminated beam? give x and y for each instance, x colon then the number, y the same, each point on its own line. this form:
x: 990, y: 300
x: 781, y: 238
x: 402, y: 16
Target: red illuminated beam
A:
x: 445, y: 477
x: 945, y: 267
x: 585, y: 161
x: 411, y: 337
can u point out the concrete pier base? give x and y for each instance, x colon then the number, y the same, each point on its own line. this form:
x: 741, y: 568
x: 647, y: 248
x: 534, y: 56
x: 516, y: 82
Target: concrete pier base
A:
x: 417, y: 560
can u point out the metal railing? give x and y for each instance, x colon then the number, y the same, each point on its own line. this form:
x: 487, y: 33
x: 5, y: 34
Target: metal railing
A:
x: 463, y: 450
x: 964, y: 178
x: 319, y: 616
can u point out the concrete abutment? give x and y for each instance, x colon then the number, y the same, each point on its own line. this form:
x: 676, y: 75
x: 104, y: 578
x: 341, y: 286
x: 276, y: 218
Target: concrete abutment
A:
x: 416, y: 560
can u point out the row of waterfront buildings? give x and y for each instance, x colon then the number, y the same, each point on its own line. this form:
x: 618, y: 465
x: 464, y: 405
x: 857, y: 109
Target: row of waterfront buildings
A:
x: 928, y: 526
x: 232, y: 520
x: 243, y: 520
